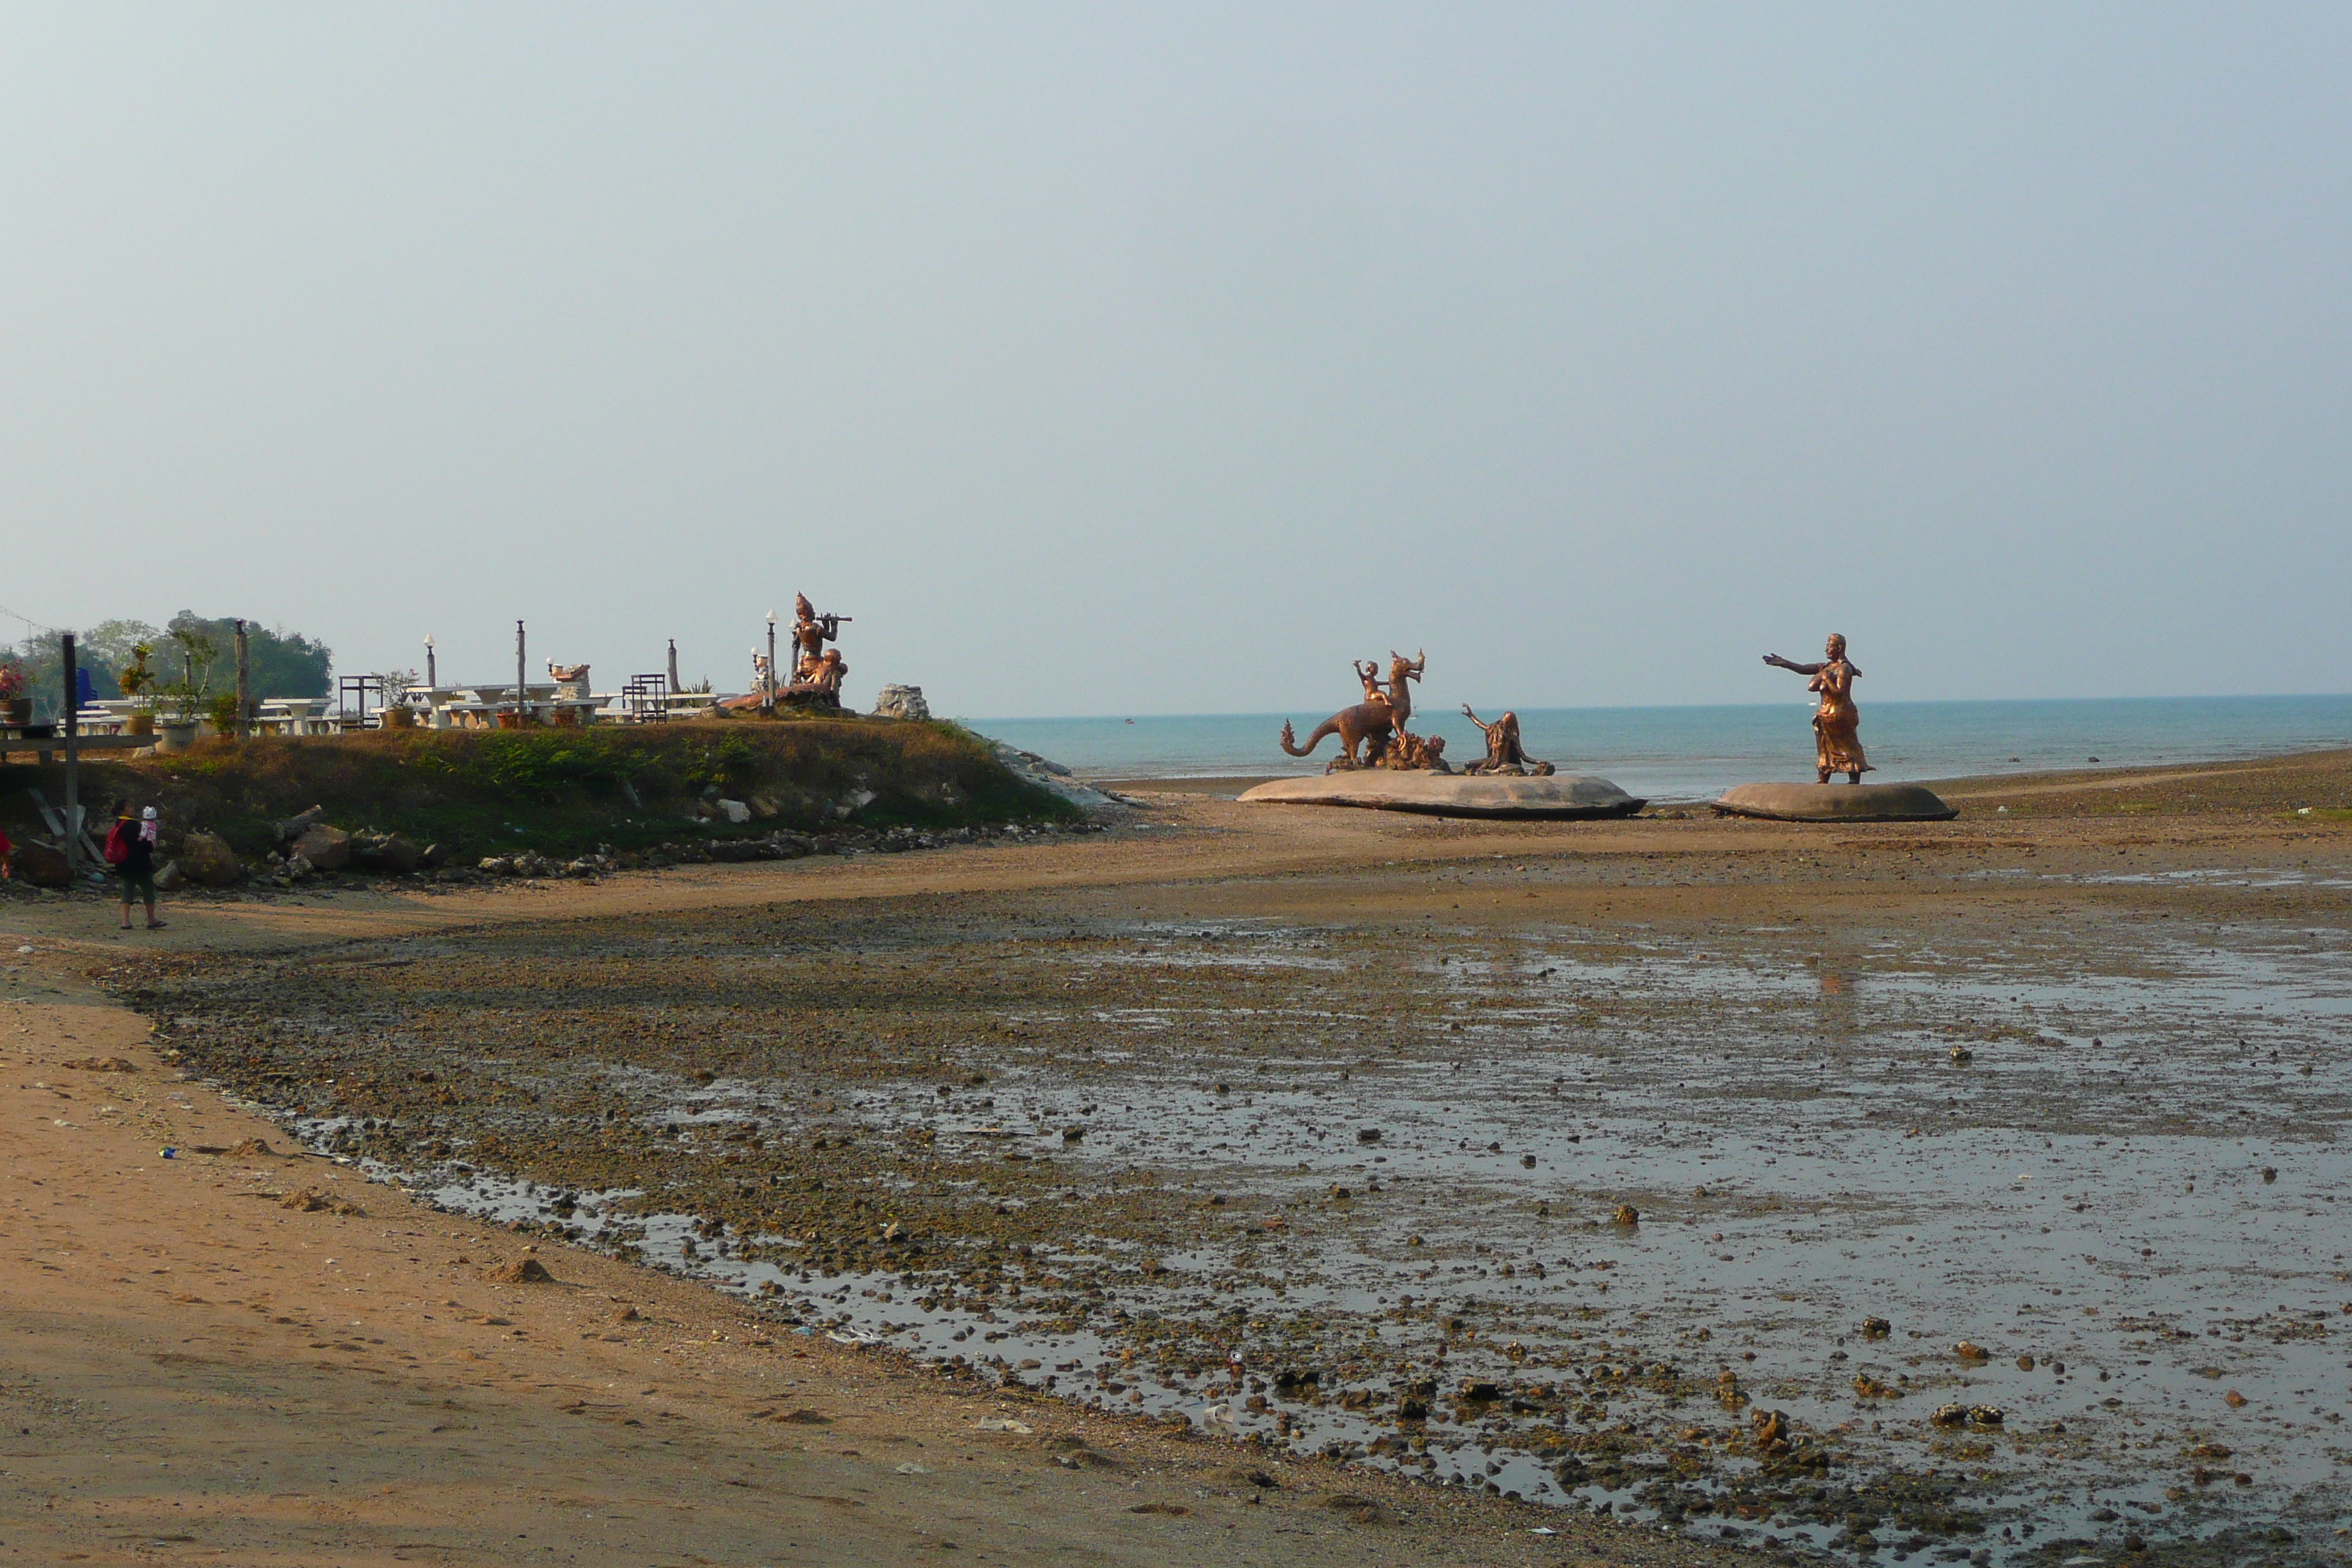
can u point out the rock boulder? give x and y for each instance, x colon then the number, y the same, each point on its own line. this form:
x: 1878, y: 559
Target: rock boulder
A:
x: 390, y: 853
x: 42, y: 866
x: 1055, y: 779
x: 327, y: 848
x: 294, y: 826
x: 207, y: 858
x: 901, y: 702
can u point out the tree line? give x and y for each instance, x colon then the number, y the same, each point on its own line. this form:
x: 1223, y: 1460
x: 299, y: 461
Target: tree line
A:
x: 282, y: 663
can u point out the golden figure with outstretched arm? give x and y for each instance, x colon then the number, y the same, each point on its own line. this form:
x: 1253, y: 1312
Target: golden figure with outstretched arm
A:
x: 1837, y: 745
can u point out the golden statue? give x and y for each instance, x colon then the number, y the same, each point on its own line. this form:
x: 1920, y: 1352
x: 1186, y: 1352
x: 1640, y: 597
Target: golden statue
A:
x: 1836, y: 743
x: 1409, y: 752
x: 1377, y: 723
x: 811, y: 632
x: 1400, y: 750
x: 1504, y: 754
x: 820, y: 681
x: 816, y: 669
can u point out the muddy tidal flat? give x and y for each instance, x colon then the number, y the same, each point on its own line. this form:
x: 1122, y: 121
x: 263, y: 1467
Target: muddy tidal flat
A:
x: 1958, y: 1192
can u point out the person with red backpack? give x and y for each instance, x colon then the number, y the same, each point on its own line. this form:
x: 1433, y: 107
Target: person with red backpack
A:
x: 129, y: 849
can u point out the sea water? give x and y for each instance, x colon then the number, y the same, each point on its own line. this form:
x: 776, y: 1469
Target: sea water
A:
x: 1696, y: 752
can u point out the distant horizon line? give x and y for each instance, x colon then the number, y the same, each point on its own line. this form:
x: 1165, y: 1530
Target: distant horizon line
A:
x: 1800, y: 700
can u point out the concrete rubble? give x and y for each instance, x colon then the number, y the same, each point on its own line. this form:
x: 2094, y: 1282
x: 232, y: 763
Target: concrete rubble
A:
x: 901, y: 702
x: 1052, y: 777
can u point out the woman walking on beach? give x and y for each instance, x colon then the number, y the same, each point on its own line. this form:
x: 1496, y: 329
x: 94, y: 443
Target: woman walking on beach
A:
x: 131, y: 850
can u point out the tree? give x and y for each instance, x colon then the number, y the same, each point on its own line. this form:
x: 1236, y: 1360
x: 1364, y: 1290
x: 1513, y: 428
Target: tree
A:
x: 283, y: 663
x: 196, y: 651
x: 109, y: 648
x: 104, y: 651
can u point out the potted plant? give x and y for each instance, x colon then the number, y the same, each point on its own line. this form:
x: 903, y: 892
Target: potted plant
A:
x: 394, y: 686
x: 15, y: 707
x: 137, y: 680
x: 183, y: 700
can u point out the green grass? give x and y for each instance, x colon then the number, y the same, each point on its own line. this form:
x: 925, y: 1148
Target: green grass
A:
x: 566, y: 791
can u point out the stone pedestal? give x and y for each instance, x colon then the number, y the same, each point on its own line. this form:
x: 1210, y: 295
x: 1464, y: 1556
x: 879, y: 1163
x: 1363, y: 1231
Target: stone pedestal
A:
x: 1835, y: 802
x: 1565, y: 795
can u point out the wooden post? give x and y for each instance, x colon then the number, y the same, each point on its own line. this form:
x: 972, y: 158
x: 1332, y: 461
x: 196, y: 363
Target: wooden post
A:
x: 72, y: 833
x: 243, y: 685
x: 522, y: 710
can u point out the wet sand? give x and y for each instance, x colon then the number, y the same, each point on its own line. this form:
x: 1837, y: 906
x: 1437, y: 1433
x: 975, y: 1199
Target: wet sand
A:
x: 1361, y: 1098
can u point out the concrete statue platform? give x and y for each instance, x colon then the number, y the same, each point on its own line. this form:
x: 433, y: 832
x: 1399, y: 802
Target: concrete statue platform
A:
x: 1835, y: 802
x: 1451, y: 794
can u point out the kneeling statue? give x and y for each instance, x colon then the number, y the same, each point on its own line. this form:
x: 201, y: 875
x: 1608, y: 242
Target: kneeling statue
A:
x: 819, y: 685
x: 1504, y: 754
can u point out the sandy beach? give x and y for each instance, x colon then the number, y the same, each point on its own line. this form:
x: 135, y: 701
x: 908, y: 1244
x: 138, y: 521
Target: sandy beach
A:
x: 1083, y: 1118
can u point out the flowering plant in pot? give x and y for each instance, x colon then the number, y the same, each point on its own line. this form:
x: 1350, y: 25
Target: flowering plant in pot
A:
x: 15, y: 707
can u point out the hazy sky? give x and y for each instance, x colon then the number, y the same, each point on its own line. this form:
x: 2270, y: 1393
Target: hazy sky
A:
x: 1114, y: 359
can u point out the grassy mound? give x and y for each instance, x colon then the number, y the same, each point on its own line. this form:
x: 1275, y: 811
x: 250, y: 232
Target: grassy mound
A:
x: 561, y: 792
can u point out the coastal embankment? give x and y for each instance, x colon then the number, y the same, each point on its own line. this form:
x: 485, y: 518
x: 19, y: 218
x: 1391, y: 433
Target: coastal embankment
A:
x: 400, y: 802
